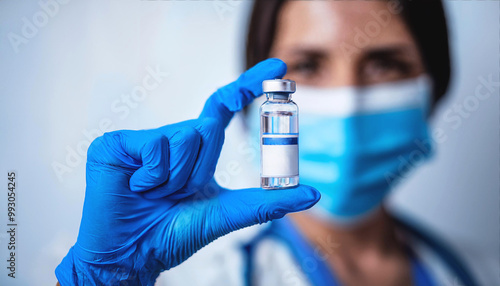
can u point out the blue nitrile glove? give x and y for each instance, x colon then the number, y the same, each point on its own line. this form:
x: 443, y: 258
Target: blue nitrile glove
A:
x: 151, y: 201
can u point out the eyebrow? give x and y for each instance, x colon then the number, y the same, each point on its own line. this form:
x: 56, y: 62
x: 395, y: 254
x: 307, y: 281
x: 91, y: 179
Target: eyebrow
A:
x: 389, y: 51
x: 370, y: 52
x: 313, y: 51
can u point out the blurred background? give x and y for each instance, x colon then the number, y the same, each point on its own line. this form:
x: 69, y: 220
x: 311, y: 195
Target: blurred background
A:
x: 67, y: 73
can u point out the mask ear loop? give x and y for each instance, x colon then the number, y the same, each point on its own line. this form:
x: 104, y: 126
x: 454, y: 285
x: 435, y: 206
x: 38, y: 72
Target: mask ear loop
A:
x: 427, y: 86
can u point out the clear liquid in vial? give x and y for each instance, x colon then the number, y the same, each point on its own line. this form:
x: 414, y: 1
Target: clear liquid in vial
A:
x: 279, y: 149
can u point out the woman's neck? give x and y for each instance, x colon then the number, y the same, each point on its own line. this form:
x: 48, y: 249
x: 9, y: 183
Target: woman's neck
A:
x: 370, y: 249
x: 376, y: 231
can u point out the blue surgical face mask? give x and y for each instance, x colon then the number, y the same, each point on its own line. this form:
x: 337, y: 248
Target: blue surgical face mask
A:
x: 355, y: 143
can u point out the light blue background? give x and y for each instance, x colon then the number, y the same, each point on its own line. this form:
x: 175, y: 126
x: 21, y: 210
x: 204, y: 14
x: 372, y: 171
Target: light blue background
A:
x: 65, y: 79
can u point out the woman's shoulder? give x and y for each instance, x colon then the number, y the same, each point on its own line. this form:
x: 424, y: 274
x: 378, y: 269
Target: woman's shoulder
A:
x: 451, y: 261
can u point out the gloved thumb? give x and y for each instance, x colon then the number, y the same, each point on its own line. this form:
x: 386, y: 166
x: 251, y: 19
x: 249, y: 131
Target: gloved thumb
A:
x: 242, y: 208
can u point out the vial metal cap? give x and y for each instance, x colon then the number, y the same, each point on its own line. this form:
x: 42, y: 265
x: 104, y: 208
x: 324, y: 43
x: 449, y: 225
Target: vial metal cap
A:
x: 278, y: 85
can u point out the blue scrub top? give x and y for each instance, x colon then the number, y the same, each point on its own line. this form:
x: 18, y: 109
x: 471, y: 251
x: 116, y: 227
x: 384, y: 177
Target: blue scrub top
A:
x: 321, y: 274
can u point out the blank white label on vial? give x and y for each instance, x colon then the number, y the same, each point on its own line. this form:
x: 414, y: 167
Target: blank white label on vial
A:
x: 280, y: 156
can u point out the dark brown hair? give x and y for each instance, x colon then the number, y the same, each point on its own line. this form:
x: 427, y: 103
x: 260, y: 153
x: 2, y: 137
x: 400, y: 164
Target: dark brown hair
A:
x: 426, y: 21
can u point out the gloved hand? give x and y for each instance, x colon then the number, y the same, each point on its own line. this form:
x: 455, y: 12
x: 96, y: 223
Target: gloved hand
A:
x: 151, y: 201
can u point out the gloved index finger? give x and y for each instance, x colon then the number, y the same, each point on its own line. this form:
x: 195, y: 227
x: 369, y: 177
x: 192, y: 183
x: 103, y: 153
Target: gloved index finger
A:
x: 235, y: 96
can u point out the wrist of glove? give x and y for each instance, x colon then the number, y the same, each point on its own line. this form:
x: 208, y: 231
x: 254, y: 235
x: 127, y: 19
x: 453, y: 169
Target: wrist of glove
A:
x: 132, y: 270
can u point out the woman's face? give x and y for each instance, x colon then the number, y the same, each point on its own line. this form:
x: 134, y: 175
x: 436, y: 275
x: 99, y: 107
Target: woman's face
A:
x: 341, y: 43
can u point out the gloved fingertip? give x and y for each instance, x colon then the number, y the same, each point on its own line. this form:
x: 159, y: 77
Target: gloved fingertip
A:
x: 137, y: 185
x: 295, y: 199
x: 313, y: 196
x: 272, y: 68
x: 134, y: 187
x: 143, y: 179
x: 279, y: 66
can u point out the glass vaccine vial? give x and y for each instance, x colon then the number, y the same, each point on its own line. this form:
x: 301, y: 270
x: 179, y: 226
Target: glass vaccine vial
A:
x: 279, y: 135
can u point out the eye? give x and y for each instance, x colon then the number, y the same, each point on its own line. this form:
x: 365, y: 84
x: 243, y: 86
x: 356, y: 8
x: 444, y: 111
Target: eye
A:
x: 385, y: 66
x: 305, y: 68
x: 386, y: 69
